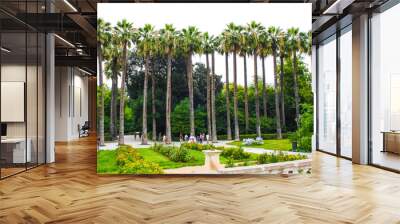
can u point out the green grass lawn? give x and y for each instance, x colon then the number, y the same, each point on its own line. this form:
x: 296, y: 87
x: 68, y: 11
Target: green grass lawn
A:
x: 273, y: 144
x: 106, y: 160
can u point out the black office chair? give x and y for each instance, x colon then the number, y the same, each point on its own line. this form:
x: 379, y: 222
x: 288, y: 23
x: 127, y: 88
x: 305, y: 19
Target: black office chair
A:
x: 84, y: 130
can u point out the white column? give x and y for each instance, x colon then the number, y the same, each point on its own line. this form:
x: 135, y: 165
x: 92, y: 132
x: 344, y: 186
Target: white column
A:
x: 314, y: 90
x: 50, y: 100
x: 360, y: 90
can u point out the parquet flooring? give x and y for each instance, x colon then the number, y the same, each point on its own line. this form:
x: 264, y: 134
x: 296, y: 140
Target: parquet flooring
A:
x: 70, y: 191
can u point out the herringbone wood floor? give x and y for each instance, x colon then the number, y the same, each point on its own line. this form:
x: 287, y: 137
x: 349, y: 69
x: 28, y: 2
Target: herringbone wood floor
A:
x: 70, y: 191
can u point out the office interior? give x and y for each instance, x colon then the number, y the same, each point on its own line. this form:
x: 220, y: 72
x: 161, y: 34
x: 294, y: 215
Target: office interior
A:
x: 48, y: 80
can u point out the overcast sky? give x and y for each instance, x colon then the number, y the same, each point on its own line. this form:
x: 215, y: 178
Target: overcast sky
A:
x: 213, y: 18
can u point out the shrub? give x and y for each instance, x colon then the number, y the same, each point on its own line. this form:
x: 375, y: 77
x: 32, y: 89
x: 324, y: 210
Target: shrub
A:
x: 176, y: 154
x: 180, y: 154
x: 250, y: 141
x: 305, y: 131
x: 278, y: 157
x: 235, y: 153
x: 130, y: 162
x: 229, y: 163
x: 197, y: 146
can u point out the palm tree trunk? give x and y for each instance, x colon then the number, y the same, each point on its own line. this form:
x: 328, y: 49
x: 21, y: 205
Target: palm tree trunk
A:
x: 113, y: 109
x: 209, y: 129
x: 213, y: 116
x: 122, y: 98
x: 101, y: 96
x: 168, y: 100
x: 144, y: 120
x: 228, y: 109
x: 153, y: 105
x: 258, y: 128
x: 235, y: 103
x: 281, y: 81
x: 277, y: 111
x: 246, y: 99
x: 189, y: 71
x: 264, y: 87
x: 296, y: 89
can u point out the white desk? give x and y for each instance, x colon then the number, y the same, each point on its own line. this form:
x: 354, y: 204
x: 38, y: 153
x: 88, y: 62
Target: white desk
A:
x: 19, y: 155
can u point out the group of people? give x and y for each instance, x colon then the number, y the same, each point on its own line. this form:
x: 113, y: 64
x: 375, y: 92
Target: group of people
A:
x: 193, y: 139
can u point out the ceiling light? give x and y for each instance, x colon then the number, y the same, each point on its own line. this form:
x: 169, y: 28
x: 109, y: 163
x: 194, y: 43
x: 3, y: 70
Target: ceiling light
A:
x: 64, y: 40
x: 5, y: 50
x: 70, y: 5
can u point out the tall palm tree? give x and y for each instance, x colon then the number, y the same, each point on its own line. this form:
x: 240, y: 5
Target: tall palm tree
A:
x: 244, y: 51
x: 214, y: 45
x: 125, y: 34
x: 283, y: 47
x: 294, y: 43
x: 208, y: 48
x: 168, y: 43
x: 190, y: 44
x: 103, y: 37
x: 145, y: 44
x: 253, y: 30
x: 224, y: 48
x: 265, y: 51
x: 233, y: 33
x: 157, y: 52
x: 274, y: 34
x: 113, y: 58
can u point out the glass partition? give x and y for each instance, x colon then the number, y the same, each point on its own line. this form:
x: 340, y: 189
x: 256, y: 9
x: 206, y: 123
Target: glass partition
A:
x: 346, y: 92
x: 385, y: 89
x: 327, y: 95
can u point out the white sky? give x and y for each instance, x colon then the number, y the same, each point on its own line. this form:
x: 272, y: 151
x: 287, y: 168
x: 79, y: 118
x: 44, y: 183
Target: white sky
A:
x: 213, y: 18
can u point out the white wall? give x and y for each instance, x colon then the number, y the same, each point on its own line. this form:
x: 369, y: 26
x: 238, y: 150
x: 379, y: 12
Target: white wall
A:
x: 71, y: 102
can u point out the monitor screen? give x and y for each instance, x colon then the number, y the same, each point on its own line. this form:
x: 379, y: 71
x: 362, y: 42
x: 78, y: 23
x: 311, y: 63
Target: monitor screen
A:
x: 3, y: 129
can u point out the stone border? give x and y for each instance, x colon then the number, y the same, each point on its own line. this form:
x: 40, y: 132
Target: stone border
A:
x: 290, y: 167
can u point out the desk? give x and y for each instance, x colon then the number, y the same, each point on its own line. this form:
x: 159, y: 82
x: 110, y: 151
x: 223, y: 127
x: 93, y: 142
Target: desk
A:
x: 13, y: 150
x: 391, y: 142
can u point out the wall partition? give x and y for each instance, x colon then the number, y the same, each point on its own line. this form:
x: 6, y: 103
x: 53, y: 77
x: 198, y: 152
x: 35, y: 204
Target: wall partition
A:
x: 22, y: 77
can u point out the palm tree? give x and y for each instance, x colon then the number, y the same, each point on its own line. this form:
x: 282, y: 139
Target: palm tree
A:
x: 125, y: 34
x: 274, y: 34
x: 208, y: 48
x: 103, y: 37
x: 282, y: 46
x: 214, y: 45
x: 253, y: 30
x: 244, y: 51
x: 113, y: 57
x: 190, y: 44
x: 145, y: 44
x: 224, y: 48
x: 233, y: 33
x: 168, y: 43
x: 294, y: 43
x: 264, y: 52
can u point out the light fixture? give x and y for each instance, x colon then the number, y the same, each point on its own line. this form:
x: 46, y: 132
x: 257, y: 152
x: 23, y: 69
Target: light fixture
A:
x: 64, y: 40
x: 70, y: 5
x: 86, y: 72
x: 5, y: 50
